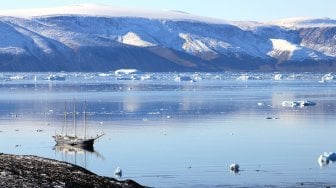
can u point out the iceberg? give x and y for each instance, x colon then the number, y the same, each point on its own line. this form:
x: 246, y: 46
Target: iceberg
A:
x: 278, y: 77
x: 326, y: 157
x: 326, y: 78
x: 147, y: 77
x: 17, y: 77
x: 126, y: 71
x: 301, y: 103
x: 53, y: 77
x: 183, y: 78
x: 244, y: 77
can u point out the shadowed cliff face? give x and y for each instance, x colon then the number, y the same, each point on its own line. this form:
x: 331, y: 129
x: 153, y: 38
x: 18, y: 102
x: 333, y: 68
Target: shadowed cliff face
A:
x: 88, y: 43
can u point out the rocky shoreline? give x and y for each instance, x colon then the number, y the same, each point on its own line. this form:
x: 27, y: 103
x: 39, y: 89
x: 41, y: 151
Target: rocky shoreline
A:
x: 33, y: 171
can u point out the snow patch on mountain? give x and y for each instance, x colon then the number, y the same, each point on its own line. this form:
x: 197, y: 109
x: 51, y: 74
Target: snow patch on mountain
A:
x: 283, y: 45
x: 133, y: 39
x: 302, y: 22
x: 109, y: 11
x: 12, y: 51
x: 284, y: 50
x: 193, y: 45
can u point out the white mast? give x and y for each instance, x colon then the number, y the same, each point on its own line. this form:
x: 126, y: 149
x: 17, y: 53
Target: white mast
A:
x: 74, y: 117
x: 84, y: 119
x: 65, y: 120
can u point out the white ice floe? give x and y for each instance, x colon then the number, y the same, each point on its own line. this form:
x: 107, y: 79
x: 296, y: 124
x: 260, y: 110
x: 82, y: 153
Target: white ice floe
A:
x: 323, y: 160
x: 53, y: 77
x: 326, y: 157
x: 301, y: 103
x: 183, y: 78
x: 17, y: 77
x: 260, y: 104
x: 234, y: 168
x: 244, y: 77
x: 126, y: 71
x: 326, y: 78
x: 147, y: 77
x: 104, y: 74
x: 118, y: 172
x: 278, y: 77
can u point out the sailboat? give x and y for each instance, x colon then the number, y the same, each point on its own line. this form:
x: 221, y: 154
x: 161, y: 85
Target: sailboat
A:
x: 75, y: 140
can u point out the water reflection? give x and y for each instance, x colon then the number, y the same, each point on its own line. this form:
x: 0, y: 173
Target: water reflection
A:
x: 76, y: 155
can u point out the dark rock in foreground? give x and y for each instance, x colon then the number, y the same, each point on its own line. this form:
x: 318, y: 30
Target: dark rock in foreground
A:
x: 32, y: 171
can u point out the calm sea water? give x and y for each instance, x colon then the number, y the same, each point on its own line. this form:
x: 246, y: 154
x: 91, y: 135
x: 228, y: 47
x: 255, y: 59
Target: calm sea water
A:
x: 179, y: 130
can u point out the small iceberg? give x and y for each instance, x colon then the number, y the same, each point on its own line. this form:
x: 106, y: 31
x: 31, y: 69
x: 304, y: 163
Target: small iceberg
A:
x: 301, y: 103
x: 126, y: 72
x: 53, y: 77
x: 118, y: 172
x: 17, y: 77
x: 326, y: 157
x: 260, y: 104
x: 327, y: 78
x: 234, y: 168
x: 147, y: 77
x: 104, y: 74
x: 183, y: 79
x: 244, y: 77
x: 197, y: 77
x: 278, y: 77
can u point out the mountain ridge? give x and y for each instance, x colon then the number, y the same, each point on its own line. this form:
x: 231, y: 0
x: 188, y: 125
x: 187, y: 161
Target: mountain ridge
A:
x: 156, y: 41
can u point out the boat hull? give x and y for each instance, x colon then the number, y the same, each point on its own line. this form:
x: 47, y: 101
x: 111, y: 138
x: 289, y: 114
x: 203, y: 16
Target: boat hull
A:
x: 76, y: 142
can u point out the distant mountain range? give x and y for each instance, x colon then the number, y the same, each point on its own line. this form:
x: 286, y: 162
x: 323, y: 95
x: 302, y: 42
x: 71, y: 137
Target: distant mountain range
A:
x: 101, y: 38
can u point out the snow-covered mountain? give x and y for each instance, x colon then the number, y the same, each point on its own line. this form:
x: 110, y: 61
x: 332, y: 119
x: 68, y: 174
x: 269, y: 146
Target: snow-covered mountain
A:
x: 102, y: 38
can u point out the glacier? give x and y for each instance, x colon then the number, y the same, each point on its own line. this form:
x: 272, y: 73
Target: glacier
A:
x: 91, y: 37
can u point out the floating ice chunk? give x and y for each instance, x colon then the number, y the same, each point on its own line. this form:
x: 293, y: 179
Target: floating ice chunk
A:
x: 244, y: 77
x: 126, y: 71
x: 118, y: 172
x: 278, y: 77
x: 147, y: 77
x: 103, y: 74
x: 197, y: 77
x: 53, y: 77
x: 326, y: 157
x: 183, y: 78
x: 234, y: 168
x: 18, y: 77
x: 127, y: 77
x: 326, y: 78
x: 331, y: 156
x: 323, y: 160
x: 301, y: 103
x: 260, y: 104
x: 307, y: 103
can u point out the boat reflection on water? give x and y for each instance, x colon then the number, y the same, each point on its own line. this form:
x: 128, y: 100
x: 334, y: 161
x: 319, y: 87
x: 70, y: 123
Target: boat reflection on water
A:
x: 77, y: 155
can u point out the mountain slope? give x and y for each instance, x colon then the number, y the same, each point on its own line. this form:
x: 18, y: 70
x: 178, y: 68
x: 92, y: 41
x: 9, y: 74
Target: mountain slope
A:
x: 100, y: 38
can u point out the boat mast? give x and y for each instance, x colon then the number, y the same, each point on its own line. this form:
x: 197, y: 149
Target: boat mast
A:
x: 65, y: 120
x: 84, y: 120
x: 74, y: 117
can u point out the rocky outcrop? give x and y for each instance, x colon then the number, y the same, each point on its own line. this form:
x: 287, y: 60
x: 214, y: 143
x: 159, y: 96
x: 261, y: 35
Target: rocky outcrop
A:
x: 32, y: 171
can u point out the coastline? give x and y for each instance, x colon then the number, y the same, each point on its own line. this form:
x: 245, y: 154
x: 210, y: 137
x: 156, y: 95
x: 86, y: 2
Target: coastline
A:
x: 34, y: 171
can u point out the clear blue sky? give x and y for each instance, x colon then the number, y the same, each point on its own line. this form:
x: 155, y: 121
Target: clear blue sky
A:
x: 258, y: 10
